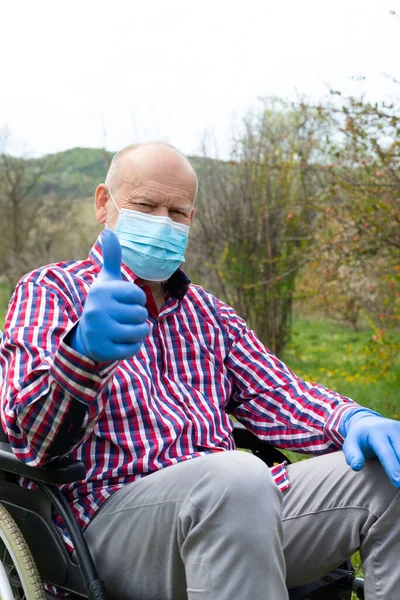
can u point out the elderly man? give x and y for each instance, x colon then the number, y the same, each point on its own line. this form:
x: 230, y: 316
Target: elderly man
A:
x: 126, y: 366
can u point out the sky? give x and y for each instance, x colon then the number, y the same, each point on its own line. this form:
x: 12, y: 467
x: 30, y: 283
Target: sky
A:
x: 93, y: 73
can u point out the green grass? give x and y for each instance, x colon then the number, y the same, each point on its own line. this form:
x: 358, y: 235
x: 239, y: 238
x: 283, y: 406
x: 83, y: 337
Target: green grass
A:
x: 347, y: 361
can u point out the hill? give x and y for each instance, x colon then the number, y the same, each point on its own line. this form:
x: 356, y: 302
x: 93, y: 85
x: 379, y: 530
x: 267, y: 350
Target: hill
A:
x: 78, y: 171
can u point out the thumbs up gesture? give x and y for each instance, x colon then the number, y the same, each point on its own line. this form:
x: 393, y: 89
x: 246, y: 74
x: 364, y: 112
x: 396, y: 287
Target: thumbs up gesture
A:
x: 113, y: 323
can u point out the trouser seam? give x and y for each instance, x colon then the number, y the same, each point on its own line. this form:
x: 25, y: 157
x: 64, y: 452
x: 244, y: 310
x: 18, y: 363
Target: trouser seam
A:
x: 376, y: 544
x: 203, y: 512
x: 330, y: 509
x: 373, y: 550
x: 131, y: 508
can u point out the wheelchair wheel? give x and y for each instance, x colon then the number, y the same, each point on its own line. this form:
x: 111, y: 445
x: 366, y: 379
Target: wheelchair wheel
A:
x: 19, y: 577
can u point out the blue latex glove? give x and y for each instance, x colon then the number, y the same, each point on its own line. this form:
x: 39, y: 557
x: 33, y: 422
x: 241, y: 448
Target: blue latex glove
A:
x: 113, y: 322
x: 369, y: 435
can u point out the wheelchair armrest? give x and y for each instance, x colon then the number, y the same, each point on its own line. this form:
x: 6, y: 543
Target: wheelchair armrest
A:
x: 245, y: 439
x: 64, y: 470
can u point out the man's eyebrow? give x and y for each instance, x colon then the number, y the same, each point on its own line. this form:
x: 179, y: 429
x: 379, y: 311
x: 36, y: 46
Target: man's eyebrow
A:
x: 179, y: 205
x: 182, y: 207
x: 138, y: 198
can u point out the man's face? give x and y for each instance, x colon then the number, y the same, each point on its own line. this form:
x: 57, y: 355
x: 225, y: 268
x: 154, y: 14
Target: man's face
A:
x: 153, y: 180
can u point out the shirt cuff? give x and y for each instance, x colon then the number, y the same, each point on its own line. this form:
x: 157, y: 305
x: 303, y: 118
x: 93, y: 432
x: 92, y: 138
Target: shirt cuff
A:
x: 332, y: 426
x: 280, y: 476
x: 78, y: 375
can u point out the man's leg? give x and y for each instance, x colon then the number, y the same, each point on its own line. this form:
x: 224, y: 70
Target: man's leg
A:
x: 206, y: 529
x: 330, y: 511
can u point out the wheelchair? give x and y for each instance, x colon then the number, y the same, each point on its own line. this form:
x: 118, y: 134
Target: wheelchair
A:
x: 32, y: 552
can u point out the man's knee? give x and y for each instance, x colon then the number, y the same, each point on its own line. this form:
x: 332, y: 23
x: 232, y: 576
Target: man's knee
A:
x: 375, y: 486
x: 236, y: 469
x: 369, y: 488
x: 239, y: 478
x: 234, y: 502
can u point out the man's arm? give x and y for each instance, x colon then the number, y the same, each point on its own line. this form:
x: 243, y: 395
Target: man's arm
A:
x: 51, y: 395
x: 274, y: 403
x: 52, y: 362
x: 290, y: 413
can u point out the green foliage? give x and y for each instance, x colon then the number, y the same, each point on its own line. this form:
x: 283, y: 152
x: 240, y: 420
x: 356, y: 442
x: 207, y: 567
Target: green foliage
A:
x: 255, y: 218
x: 76, y: 172
x: 359, y: 234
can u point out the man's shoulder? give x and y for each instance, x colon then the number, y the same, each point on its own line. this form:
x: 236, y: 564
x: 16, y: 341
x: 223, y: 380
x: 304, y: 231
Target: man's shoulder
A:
x: 60, y: 276
x: 203, y: 298
x: 210, y: 308
x: 199, y: 295
x: 202, y: 294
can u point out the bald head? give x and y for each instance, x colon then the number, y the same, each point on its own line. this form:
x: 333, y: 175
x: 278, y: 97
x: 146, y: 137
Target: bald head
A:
x: 135, y: 156
x: 154, y: 178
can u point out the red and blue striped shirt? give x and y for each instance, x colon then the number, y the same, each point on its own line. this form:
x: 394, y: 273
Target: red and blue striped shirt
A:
x: 127, y: 419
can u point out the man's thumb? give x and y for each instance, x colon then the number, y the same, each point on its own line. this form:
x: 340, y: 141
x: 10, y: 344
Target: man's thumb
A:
x: 111, y: 255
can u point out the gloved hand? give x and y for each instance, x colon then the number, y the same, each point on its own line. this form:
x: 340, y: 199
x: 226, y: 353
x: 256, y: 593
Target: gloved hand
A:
x: 113, y: 322
x: 369, y: 435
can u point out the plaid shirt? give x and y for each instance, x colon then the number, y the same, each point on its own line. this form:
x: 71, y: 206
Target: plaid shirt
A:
x: 167, y: 404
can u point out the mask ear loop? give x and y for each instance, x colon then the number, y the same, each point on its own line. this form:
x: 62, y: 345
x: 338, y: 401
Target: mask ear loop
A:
x: 115, y: 204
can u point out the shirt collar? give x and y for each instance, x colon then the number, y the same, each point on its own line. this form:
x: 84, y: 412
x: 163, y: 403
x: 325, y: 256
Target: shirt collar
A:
x: 176, y: 286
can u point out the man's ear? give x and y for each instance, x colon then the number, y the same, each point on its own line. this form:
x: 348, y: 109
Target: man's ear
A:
x: 192, y: 214
x: 101, y: 199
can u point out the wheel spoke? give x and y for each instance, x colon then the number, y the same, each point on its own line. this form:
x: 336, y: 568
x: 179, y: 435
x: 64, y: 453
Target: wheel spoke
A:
x: 5, y: 553
x: 12, y: 575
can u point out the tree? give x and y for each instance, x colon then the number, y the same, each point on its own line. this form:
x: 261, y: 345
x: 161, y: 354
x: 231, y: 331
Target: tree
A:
x: 357, y: 269
x: 35, y: 227
x: 255, y: 220
x: 361, y: 230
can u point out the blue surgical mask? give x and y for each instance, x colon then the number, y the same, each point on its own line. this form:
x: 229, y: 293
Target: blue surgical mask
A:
x: 152, y: 247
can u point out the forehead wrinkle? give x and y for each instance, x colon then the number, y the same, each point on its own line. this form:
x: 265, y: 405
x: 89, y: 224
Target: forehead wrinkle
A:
x: 156, y: 191
x: 164, y: 179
